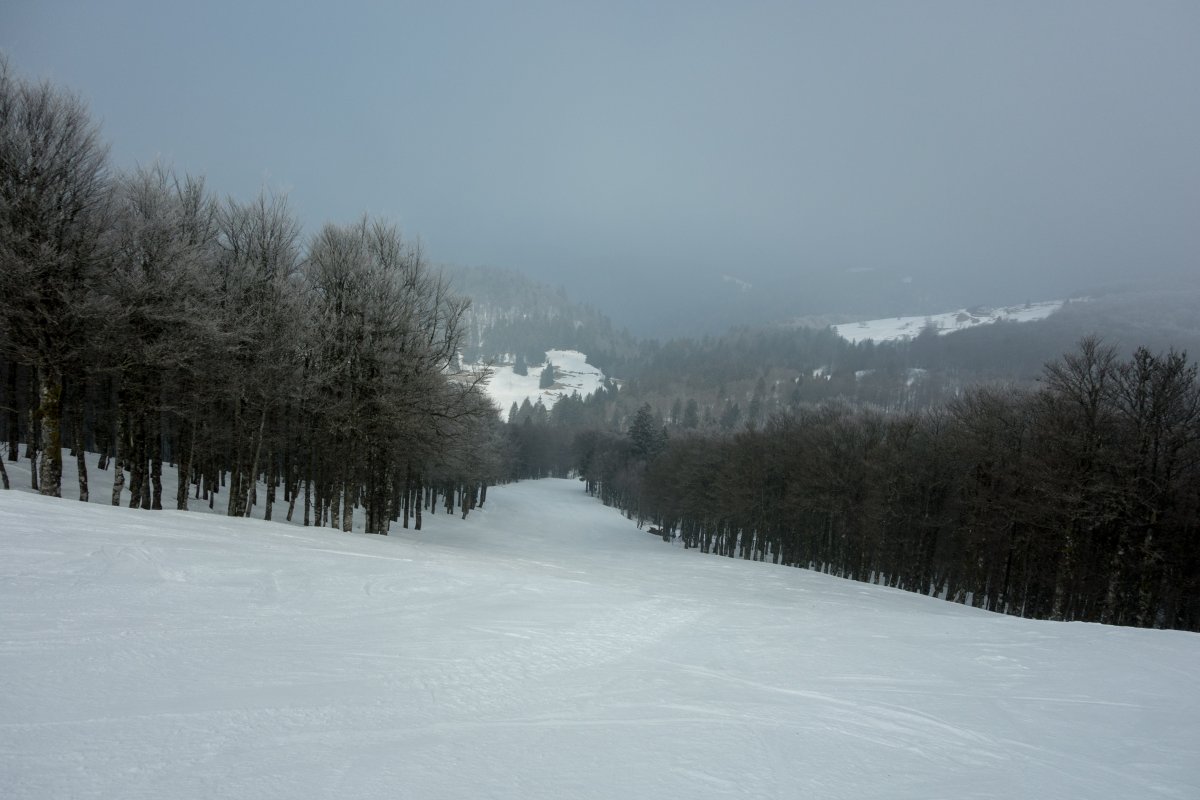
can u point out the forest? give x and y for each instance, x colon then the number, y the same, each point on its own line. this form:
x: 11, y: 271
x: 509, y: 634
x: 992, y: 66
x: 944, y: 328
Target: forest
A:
x: 1075, y: 500
x: 148, y: 321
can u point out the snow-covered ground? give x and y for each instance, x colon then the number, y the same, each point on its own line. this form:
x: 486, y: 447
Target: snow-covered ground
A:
x: 883, y: 330
x: 542, y: 648
x: 573, y: 374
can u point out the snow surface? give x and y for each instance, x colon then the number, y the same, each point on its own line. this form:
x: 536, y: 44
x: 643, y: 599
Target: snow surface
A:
x: 573, y: 373
x: 893, y: 328
x: 542, y: 648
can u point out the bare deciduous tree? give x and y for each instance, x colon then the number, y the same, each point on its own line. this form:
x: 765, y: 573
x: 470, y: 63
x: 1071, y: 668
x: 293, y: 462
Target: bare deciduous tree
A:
x: 54, y: 194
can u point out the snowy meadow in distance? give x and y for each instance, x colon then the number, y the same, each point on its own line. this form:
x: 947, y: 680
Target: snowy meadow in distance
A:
x: 893, y: 328
x: 573, y: 374
x: 542, y: 648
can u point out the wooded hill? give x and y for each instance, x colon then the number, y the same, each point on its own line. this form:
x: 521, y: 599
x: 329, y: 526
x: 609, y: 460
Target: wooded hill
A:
x: 511, y: 315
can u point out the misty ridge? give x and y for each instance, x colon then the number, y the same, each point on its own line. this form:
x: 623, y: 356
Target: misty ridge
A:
x: 688, y: 170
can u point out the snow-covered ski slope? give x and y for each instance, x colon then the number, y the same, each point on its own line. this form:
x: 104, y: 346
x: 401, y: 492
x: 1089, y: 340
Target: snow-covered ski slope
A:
x: 893, y: 328
x: 542, y: 648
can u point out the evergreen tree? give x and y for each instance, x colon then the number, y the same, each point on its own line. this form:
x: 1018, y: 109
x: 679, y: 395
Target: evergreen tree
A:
x: 647, y: 436
x: 730, y: 416
x: 691, y: 415
x: 526, y: 411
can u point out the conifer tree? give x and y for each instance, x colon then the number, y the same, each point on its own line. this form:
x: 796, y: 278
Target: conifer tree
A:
x: 647, y: 436
x: 691, y: 415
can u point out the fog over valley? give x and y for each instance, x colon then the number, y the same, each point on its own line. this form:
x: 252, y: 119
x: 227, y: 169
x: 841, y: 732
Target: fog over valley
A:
x: 861, y: 161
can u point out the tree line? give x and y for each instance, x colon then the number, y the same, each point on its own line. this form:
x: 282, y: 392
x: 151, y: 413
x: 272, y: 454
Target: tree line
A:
x: 1078, y: 500
x: 144, y: 319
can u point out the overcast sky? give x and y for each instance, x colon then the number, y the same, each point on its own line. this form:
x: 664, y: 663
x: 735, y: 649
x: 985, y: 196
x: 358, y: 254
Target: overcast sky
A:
x: 991, y: 151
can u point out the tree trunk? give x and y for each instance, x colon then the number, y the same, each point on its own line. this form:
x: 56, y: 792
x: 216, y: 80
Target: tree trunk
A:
x: 146, y: 494
x: 33, y: 435
x: 134, y: 457
x: 233, y: 508
x: 139, y: 472
x: 293, y: 489
x: 418, y: 492
x: 348, y: 508
x: 14, y: 419
x: 118, y: 481
x: 236, y: 495
x: 104, y: 433
x: 406, y: 494
x: 252, y: 491
x: 335, y: 495
x: 187, y: 448
x: 271, y: 478
x: 156, y: 466
x: 50, y: 412
x: 80, y: 462
x: 4, y: 475
x: 307, y: 485
x: 78, y: 441
x: 396, y: 501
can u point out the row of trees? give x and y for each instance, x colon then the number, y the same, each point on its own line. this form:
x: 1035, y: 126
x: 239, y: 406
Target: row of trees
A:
x: 143, y: 318
x: 1076, y: 501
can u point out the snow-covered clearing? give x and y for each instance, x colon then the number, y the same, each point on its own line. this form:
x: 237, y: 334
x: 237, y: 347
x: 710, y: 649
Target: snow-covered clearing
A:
x: 893, y: 328
x: 542, y: 648
x: 573, y: 373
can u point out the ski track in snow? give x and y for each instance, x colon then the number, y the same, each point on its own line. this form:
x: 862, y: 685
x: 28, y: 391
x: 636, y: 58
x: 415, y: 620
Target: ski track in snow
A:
x: 542, y: 648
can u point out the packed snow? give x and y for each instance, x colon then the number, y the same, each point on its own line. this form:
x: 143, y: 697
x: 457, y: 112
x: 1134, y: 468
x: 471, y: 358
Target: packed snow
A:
x: 893, y: 328
x: 542, y: 648
x: 572, y: 372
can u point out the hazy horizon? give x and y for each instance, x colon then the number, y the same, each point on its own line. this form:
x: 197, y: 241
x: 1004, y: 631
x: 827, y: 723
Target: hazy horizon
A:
x: 836, y: 158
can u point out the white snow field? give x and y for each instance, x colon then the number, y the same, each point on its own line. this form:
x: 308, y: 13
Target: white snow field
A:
x: 893, y: 328
x: 542, y: 648
x: 573, y: 373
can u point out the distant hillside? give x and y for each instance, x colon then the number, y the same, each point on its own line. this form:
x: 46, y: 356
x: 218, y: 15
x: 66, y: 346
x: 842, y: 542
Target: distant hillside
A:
x: 747, y: 373
x: 571, y: 374
x: 1157, y: 319
x: 512, y: 315
x: 895, y: 328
